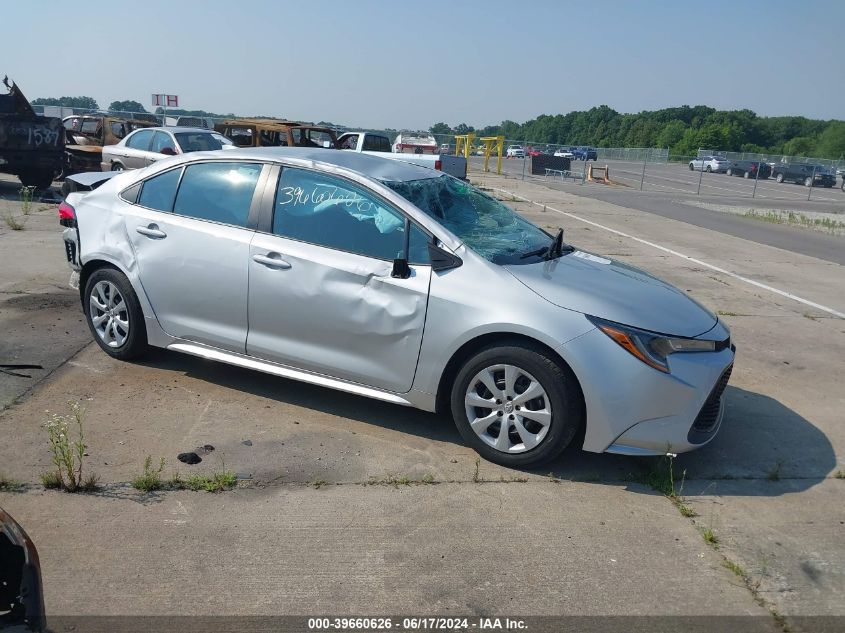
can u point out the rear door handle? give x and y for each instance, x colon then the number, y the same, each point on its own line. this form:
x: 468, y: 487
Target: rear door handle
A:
x: 271, y: 260
x: 151, y: 231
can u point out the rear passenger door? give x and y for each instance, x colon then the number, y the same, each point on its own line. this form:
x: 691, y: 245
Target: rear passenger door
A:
x: 136, y: 149
x: 190, y: 229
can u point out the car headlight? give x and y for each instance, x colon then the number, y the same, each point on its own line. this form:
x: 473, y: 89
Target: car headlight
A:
x: 651, y: 348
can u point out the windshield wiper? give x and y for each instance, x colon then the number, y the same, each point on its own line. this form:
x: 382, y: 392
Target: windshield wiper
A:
x: 538, y: 252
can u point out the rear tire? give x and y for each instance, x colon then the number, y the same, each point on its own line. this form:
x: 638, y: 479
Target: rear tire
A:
x: 730, y: 172
x: 114, y: 314
x: 808, y: 182
x: 116, y: 167
x: 551, y: 418
x: 779, y: 178
x: 708, y: 169
x: 691, y: 167
x: 746, y: 175
x: 38, y: 179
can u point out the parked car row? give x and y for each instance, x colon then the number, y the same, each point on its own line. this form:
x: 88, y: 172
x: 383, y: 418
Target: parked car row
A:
x: 806, y: 174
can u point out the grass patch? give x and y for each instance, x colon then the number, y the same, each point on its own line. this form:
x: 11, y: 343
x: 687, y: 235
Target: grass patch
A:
x: 686, y: 511
x: 7, y: 484
x: 216, y: 482
x: 428, y: 479
x: 476, y: 478
x: 710, y: 537
x: 729, y: 313
x: 150, y: 479
x: 792, y: 218
x: 735, y: 568
x: 839, y: 474
x: 12, y: 221
x: 51, y: 480
x: 319, y: 483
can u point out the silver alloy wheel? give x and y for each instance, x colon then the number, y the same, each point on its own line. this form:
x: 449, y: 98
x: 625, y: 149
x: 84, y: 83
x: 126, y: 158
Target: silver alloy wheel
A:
x: 109, y: 314
x: 508, y: 408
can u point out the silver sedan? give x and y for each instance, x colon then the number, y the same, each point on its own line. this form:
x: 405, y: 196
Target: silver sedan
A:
x: 145, y: 146
x: 710, y: 164
x: 399, y: 283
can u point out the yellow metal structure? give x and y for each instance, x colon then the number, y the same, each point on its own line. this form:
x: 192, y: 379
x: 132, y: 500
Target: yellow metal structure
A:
x: 464, y: 142
x: 488, y: 147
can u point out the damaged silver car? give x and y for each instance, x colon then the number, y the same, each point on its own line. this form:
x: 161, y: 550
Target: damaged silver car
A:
x: 396, y: 282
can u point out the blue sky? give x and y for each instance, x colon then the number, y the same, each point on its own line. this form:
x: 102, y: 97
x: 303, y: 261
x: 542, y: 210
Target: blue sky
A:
x: 406, y: 64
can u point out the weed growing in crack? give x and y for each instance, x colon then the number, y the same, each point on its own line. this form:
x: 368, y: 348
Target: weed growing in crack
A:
x: 68, y: 452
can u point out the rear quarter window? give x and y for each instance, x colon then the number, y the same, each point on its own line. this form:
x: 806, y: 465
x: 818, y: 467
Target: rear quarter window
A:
x: 159, y: 192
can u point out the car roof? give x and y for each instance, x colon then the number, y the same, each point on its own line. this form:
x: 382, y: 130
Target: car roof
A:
x: 365, y: 164
x: 175, y: 129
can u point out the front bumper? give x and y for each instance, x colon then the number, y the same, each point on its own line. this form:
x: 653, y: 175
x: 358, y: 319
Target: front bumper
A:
x: 634, y: 409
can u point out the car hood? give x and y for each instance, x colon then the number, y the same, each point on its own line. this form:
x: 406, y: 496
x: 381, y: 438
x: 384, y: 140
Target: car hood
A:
x: 614, y: 291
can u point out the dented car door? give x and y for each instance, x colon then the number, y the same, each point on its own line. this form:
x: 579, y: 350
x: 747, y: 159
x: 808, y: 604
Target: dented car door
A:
x: 321, y: 294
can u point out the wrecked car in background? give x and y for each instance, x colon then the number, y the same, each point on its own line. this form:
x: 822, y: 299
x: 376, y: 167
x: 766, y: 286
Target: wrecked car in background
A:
x: 31, y: 146
x: 276, y: 133
x: 86, y: 135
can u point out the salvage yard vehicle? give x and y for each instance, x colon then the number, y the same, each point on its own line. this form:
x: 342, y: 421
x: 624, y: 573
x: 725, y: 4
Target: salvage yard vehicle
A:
x: 709, y: 164
x: 415, y: 143
x: 564, y: 152
x: 515, y: 151
x: 31, y: 146
x: 585, y: 153
x: 276, y: 133
x: 399, y: 283
x: 748, y: 169
x: 88, y: 134
x: 144, y: 147
x: 370, y: 142
x: 804, y: 174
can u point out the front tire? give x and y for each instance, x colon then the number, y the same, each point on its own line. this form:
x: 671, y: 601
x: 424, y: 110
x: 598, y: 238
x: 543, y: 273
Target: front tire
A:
x: 779, y: 178
x: 746, y: 175
x: 808, y: 182
x: 116, y: 167
x: 729, y: 172
x: 709, y: 169
x: 515, y: 405
x: 114, y: 314
x: 691, y: 167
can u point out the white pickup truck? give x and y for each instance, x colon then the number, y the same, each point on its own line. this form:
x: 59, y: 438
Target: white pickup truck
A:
x: 379, y: 145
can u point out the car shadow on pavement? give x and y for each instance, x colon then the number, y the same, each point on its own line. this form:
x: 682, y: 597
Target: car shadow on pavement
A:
x: 763, y: 448
x: 573, y: 464
x: 761, y: 440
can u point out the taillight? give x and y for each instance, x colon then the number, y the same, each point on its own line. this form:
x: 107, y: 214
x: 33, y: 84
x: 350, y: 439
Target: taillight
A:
x: 67, y: 215
x: 438, y: 165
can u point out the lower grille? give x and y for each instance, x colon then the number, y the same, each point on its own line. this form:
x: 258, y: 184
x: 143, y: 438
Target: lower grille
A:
x: 707, y: 418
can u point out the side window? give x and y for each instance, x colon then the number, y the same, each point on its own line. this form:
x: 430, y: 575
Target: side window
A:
x: 350, y: 142
x: 159, y: 191
x: 329, y: 211
x: 140, y: 140
x: 219, y: 192
x: 118, y: 130
x: 162, y: 140
x: 375, y: 143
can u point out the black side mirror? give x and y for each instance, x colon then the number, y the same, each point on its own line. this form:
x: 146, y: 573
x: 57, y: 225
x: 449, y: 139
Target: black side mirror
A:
x: 21, y: 593
x: 401, y: 269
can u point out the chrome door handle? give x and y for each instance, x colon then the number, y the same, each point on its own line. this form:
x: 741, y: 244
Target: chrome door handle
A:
x: 151, y: 231
x: 271, y: 262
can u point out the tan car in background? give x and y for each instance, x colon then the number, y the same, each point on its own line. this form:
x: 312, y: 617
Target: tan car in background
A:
x: 276, y: 133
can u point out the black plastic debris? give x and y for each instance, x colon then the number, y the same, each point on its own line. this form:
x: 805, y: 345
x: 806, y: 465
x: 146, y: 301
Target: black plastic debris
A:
x: 189, y: 458
x: 247, y: 442
x: 7, y: 369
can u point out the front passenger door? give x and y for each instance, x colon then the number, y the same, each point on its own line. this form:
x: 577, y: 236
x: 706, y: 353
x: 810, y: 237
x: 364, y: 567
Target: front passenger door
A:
x: 321, y: 294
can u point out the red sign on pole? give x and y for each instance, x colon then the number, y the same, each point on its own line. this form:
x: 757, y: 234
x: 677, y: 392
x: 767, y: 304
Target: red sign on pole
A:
x: 170, y: 101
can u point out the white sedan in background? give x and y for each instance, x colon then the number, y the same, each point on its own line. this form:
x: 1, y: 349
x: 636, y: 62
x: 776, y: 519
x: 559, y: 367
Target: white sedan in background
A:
x: 515, y: 151
x: 710, y: 164
x: 564, y: 153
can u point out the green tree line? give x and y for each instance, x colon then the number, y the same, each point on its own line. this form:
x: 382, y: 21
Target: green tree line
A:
x: 683, y: 130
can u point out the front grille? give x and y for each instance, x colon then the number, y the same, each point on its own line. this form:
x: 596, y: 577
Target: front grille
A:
x: 707, y: 418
